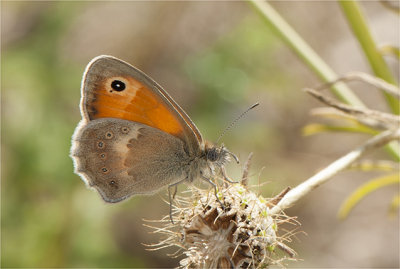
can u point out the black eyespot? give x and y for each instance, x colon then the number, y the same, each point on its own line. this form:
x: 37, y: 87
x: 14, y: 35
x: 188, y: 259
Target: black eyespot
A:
x: 104, y: 170
x: 125, y: 130
x: 109, y: 135
x: 102, y: 155
x: 113, y: 184
x: 118, y: 85
x: 100, y: 144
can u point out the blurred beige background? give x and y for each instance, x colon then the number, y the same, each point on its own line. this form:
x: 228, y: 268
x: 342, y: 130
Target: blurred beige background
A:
x: 215, y: 59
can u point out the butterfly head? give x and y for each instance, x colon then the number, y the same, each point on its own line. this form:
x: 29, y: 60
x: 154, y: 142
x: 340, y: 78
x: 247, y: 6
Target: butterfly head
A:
x: 219, y: 155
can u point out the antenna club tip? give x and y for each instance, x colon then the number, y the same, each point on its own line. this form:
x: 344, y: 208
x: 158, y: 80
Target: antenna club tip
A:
x: 256, y: 104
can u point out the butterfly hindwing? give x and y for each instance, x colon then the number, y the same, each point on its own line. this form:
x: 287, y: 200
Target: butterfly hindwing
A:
x: 121, y: 158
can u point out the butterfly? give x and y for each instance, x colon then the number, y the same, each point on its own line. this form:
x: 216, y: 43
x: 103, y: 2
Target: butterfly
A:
x: 134, y: 138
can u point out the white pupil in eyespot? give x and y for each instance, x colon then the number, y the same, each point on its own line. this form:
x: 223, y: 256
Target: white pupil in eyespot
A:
x: 118, y: 85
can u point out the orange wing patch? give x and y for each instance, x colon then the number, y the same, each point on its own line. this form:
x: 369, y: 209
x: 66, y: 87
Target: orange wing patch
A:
x: 127, y: 98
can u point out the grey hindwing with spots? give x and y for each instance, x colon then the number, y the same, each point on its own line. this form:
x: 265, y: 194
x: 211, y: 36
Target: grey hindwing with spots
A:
x: 121, y: 158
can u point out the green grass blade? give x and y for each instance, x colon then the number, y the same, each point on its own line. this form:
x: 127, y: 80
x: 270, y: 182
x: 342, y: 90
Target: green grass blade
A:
x: 394, y: 206
x: 380, y: 165
x: 304, y: 51
x: 390, y: 50
x: 315, y: 128
x: 364, y: 190
x: 358, y: 24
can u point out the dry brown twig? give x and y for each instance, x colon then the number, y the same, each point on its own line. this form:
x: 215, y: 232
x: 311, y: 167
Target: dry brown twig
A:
x: 372, y: 118
x: 339, y: 165
x: 369, y: 117
x: 246, y: 169
x: 367, y: 78
x: 391, y: 5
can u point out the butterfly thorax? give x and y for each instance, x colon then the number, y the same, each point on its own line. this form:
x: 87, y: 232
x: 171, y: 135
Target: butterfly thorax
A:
x: 209, y: 163
x: 218, y: 156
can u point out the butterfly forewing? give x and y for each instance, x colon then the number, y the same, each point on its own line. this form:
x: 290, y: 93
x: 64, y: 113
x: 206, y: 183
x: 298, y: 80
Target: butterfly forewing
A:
x: 114, y: 89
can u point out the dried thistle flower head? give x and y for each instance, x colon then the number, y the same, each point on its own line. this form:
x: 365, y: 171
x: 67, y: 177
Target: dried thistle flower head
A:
x: 235, y: 232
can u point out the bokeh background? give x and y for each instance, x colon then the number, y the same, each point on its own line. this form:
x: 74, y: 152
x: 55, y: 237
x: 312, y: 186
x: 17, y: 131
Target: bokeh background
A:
x: 215, y: 59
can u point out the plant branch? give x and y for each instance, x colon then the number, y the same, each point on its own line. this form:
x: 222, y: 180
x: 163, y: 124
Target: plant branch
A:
x: 366, y: 116
x: 367, y: 78
x: 371, y: 118
x: 342, y: 163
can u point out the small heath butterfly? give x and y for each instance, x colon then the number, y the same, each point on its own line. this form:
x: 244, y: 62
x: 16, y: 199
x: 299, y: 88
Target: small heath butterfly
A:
x: 133, y: 138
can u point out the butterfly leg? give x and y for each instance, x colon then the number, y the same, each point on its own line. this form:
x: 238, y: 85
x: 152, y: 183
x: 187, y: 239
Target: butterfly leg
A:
x: 215, y: 189
x: 234, y: 157
x: 175, y: 191
x: 175, y: 185
x: 226, y: 178
x: 170, y: 203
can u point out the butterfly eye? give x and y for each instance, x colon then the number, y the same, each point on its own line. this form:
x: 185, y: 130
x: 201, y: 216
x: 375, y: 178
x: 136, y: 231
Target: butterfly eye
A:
x: 118, y: 85
x: 212, y: 155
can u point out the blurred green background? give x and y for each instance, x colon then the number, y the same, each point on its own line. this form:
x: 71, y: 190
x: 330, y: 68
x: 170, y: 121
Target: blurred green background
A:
x: 215, y: 59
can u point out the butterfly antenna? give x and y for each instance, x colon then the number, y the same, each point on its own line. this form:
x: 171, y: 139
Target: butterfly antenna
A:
x: 236, y: 120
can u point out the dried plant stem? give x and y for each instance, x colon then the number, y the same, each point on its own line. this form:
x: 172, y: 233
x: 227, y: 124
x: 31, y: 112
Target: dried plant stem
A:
x: 391, y: 6
x: 245, y: 177
x: 374, y: 119
x: 342, y: 163
x: 363, y: 114
x: 364, y: 77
